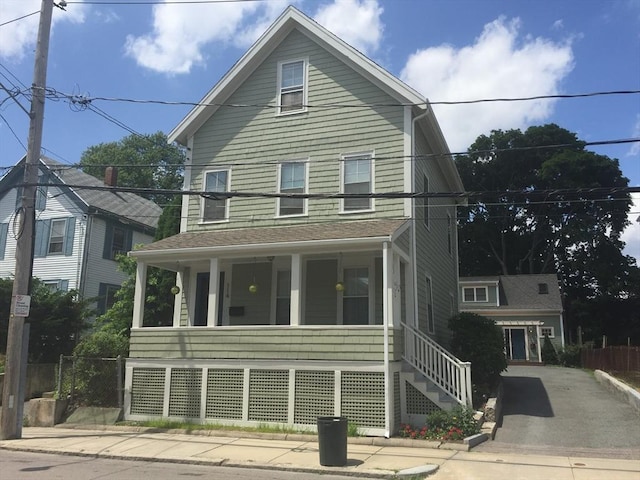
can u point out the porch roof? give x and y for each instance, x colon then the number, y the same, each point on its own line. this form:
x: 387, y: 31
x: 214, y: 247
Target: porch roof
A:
x: 272, y: 237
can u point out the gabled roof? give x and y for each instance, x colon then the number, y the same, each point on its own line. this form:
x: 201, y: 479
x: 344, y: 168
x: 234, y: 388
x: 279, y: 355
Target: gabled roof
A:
x: 521, y: 292
x: 127, y: 206
x: 291, y: 19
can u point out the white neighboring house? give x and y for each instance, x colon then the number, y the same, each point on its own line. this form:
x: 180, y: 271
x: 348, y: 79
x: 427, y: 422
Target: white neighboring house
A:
x: 78, y: 230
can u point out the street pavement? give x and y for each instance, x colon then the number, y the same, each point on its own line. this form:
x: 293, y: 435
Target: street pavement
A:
x: 563, y: 411
x: 367, y: 457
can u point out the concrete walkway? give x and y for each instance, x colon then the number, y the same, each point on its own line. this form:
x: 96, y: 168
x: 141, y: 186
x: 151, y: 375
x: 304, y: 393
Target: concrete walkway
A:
x: 301, y: 454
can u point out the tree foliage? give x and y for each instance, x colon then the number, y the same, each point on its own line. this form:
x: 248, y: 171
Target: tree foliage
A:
x: 479, y: 340
x: 56, y: 320
x: 549, y: 210
x: 151, y: 163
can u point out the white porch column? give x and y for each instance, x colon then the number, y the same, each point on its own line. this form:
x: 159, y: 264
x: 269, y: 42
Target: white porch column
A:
x: 295, y: 314
x: 177, y: 303
x: 214, y: 281
x: 387, y: 314
x: 139, y: 294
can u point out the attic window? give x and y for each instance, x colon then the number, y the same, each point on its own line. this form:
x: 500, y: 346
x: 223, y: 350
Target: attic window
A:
x: 543, y: 288
x: 292, y: 86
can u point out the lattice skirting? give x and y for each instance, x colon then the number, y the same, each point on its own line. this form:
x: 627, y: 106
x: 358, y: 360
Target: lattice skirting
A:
x: 250, y: 396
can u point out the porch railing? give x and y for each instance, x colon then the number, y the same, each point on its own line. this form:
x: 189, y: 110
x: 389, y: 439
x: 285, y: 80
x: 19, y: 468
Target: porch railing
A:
x: 438, y: 365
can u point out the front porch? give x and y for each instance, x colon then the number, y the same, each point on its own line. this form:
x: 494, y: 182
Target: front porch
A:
x: 287, y: 328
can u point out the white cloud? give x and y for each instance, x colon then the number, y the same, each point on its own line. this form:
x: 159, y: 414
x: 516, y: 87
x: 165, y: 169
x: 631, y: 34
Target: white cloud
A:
x: 181, y: 32
x: 497, y: 65
x: 19, y: 36
x: 631, y: 235
x: 357, y: 22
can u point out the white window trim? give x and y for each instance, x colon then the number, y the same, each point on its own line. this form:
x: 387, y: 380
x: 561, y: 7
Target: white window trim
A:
x: 426, y: 204
x: 305, y: 203
x: 372, y: 176
x: 305, y: 89
x: 475, y: 296
x: 64, y: 234
x: 203, y: 199
x: 431, y: 326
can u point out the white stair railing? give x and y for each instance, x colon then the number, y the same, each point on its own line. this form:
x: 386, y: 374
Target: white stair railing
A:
x: 438, y: 365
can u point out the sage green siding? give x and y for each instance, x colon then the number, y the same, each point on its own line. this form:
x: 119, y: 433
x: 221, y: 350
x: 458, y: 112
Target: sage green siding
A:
x: 268, y: 343
x: 433, y: 258
x: 254, y: 139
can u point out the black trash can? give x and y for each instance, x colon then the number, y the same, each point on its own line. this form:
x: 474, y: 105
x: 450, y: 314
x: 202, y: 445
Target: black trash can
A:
x: 332, y: 441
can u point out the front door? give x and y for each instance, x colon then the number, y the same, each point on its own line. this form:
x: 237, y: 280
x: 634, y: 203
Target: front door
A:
x: 202, y: 299
x: 515, y: 343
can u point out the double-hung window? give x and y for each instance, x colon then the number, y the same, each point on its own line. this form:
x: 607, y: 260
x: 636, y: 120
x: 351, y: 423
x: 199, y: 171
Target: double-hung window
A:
x: 56, y: 236
x: 474, y: 294
x: 431, y: 325
x: 293, y: 179
x: 292, y: 86
x: 355, y: 299
x: 357, y: 175
x: 215, y: 209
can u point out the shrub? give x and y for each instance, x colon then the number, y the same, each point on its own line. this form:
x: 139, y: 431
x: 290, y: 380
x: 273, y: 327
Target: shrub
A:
x: 479, y: 340
x: 549, y: 354
x: 570, y: 356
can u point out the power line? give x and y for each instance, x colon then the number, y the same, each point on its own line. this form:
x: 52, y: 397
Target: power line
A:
x: 24, y: 16
x: 14, y: 133
x: 81, y: 99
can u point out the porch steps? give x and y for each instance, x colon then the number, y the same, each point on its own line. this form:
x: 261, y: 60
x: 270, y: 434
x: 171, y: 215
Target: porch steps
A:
x: 428, y: 388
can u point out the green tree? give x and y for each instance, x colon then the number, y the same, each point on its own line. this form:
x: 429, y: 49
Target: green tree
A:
x: 151, y: 163
x: 479, y: 340
x: 547, y: 210
x: 56, y: 321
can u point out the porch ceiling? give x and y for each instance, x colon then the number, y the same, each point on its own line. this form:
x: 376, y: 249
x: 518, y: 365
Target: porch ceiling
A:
x: 269, y: 239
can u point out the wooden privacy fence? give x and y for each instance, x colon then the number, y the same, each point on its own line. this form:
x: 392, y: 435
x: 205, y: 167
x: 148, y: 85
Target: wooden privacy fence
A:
x: 612, y: 359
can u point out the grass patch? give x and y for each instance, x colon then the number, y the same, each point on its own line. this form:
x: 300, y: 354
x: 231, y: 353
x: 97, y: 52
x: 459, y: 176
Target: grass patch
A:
x: 164, y: 424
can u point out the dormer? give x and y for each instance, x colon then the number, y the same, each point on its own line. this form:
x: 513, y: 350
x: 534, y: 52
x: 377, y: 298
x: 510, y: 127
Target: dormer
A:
x: 479, y: 292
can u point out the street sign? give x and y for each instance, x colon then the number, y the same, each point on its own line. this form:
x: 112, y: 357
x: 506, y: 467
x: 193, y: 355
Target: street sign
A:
x: 21, y: 305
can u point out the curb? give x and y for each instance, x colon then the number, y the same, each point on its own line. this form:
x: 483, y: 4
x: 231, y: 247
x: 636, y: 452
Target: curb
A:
x: 620, y: 389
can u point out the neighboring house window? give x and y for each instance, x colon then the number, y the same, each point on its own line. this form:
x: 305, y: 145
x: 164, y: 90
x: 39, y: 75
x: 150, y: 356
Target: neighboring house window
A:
x: 292, y: 86
x: 355, y: 297
x: 106, y: 297
x: 215, y: 209
x: 4, y: 229
x: 283, y: 297
x: 357, y: 179
x: 54, y: 237
x: 449, y: 234
x: 56, y: 285
x: 547, y: 331
x: 117, y: 240
x: 474, y: 294
x: 293, y: 179
x: 431, y: 326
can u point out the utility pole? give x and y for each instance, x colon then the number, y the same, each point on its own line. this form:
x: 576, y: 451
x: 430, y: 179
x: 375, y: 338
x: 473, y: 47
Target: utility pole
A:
x: 17, y: 344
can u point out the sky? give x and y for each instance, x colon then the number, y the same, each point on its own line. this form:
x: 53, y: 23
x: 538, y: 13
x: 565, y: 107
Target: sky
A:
x: 448, y: 50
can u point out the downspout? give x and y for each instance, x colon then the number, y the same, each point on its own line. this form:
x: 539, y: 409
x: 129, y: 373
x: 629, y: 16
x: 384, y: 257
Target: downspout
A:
x: 413, y: 215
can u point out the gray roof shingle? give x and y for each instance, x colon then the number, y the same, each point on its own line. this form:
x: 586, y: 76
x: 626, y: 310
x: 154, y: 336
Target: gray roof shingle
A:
x: 122, y: 204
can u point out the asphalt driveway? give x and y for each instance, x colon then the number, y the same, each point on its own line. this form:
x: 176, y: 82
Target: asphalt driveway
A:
x: 563, y: 411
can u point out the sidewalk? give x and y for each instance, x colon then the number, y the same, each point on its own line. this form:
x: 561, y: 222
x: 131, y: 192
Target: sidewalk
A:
x: 297, y: 453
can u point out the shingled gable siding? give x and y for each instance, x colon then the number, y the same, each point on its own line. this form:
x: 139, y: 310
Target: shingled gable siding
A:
x: 432, y: 256
x: 265, y: 343
x: 242, y: 135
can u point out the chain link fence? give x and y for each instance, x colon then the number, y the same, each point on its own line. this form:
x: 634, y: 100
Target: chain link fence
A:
x: 88, y: 381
